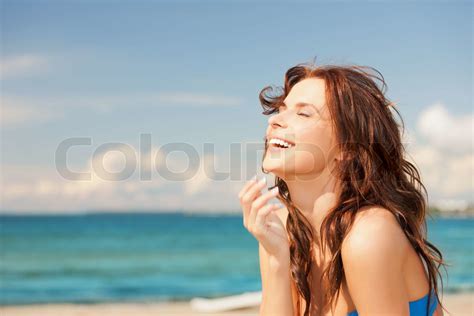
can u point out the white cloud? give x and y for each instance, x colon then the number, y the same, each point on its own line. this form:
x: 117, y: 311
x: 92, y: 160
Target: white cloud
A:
x: 444, y: 174
x: 442, y: 149
x: 445, y: 131
x: 203, y: 177
x: 44, y: 189
x: 35, y: 189
x: 21, y: 65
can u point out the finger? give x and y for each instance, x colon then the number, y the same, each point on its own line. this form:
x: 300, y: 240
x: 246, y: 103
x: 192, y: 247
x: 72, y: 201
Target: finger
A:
x: 260, y: 202
x: 247, y: 186
x: 246, y: 209
x: 261, y: 219
x: 253, y: 191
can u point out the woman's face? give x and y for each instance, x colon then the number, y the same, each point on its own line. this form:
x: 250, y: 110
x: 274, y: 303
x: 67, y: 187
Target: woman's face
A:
x: 304, y: 123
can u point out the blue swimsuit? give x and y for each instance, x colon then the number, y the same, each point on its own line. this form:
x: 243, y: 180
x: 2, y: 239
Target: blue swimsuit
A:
x: 417, y: 308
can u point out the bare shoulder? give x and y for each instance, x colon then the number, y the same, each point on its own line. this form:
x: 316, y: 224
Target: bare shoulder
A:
x: 374, y: 253
x: 375, y: 233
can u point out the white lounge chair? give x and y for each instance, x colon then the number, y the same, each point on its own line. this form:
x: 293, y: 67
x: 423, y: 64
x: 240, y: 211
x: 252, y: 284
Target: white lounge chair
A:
x: 244, y: 300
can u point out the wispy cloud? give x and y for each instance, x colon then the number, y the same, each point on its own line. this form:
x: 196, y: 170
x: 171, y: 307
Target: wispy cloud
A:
x: 158, y: 99
x: 21, y: 65
x: 21, y: 109
x: 191, y: 99
x: 15, y: 111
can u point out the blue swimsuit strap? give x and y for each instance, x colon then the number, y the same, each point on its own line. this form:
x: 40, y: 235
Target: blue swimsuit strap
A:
x: 417, y: 307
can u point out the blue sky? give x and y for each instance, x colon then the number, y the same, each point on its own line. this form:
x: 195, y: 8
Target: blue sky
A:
x: 191, y: 72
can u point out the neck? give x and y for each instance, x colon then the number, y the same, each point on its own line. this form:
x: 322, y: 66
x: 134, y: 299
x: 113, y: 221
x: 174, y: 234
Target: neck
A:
x: 314, y: 197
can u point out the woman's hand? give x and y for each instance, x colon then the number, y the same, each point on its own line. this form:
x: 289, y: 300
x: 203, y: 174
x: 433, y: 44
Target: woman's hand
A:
x: 260, y: 219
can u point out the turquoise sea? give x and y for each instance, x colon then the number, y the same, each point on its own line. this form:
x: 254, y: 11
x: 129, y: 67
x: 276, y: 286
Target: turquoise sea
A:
x: 156, y: 257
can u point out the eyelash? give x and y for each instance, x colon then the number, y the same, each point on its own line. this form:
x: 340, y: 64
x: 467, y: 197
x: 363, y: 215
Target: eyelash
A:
x: 277, y: 110
x: 304, y: 114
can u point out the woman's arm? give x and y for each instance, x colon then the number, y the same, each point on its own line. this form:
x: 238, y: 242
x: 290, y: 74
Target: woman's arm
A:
x: 261, y: 219
x: 276, y: 285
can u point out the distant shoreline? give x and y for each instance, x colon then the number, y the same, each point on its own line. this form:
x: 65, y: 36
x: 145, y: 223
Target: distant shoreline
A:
x: 454, y: 214
x: 430, y: 214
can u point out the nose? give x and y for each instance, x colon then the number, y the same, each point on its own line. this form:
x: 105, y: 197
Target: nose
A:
x: 276, y: 120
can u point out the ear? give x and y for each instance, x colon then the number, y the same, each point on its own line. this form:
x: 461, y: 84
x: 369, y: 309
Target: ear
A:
x: 339, y: 156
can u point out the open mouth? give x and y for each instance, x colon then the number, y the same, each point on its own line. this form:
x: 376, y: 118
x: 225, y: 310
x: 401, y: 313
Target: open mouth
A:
x: 280, y: 143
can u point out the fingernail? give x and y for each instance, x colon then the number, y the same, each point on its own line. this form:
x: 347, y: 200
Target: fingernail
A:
x: 274, y: 191
x: 262, y: 181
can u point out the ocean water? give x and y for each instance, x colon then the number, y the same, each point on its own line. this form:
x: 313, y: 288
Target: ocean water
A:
x: 159, y: 257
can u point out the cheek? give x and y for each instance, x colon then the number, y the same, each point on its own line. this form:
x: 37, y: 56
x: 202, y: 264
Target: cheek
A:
x: 315, y: 145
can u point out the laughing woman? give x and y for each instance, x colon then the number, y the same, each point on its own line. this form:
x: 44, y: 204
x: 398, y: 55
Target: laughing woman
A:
x: 350, y: 237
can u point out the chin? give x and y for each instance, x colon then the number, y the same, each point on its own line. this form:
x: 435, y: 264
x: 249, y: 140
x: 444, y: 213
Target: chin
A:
x: 305, y: 170
x: 277, y: 168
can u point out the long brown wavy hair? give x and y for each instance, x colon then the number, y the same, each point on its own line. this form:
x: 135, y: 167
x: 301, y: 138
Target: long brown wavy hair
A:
x: 376, y: 173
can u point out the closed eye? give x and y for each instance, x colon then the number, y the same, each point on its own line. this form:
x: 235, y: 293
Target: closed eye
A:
x: 279, y: 109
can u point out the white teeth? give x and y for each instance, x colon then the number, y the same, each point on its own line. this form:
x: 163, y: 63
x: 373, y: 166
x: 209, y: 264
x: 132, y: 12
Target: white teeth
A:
x: 280, y: 142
